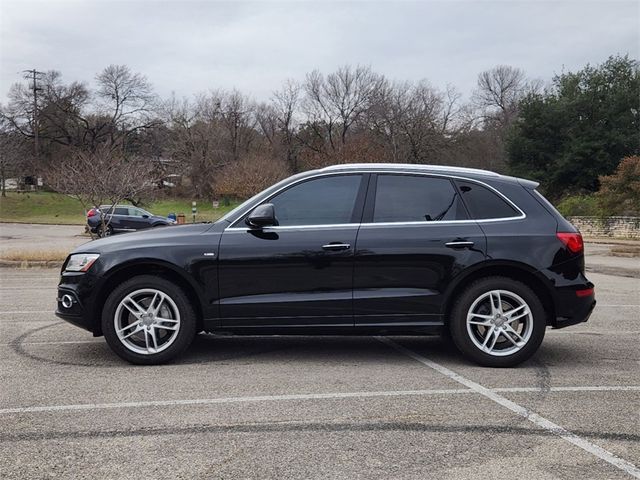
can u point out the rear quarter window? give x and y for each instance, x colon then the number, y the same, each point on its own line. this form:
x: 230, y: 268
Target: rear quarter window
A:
x: 484, y: 203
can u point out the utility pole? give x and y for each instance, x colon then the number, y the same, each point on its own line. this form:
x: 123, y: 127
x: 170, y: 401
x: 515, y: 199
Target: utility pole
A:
x: 34, y: 75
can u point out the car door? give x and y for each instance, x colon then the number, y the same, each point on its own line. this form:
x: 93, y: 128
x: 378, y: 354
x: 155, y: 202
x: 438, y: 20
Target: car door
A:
x: 300, y: 272
x: 414, y: 238
x: 136, y: 219
x: 119, y: 218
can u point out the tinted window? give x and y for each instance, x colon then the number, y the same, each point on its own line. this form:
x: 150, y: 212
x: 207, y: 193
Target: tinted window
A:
x: 484, y: 203
x: 136, y: 212
x: 327, y: 200
x: 121, y: 211
x: 405, y: 198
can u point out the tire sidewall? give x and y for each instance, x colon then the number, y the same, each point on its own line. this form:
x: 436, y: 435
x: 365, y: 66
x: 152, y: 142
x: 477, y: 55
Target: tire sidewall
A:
x: 187, y: 320
x: 458, y: 321
x: 108, y: 230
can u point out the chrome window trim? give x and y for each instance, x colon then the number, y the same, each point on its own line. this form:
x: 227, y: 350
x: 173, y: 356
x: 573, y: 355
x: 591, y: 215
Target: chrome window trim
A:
x: 321, y: 173
x: 276, y: 228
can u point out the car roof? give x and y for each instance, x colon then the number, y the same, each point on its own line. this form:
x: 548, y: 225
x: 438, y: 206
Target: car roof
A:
x: 422, y: 168
x: 409, y: 167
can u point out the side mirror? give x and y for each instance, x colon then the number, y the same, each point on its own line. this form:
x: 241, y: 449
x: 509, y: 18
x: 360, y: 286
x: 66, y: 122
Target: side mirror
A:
x: 145, y: 216
x: 262, y: 216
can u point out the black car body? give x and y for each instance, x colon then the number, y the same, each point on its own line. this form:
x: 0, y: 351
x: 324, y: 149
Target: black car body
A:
x: 350, y: 249
x: 123, y: 218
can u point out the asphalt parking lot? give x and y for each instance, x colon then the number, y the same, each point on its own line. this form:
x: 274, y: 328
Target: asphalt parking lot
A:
x: 323, y: 407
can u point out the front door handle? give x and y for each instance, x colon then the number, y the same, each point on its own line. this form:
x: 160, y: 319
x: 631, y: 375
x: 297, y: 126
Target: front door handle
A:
x: 459, y: 244
x: 336, y: 246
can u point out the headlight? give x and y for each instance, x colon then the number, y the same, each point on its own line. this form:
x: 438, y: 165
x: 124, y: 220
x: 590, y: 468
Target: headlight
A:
x: 81, y: 262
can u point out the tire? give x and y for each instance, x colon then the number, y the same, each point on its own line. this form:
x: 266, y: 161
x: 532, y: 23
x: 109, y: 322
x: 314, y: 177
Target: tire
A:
x: 479, y: 303
x: 131, y: 333
x: 101, y: 234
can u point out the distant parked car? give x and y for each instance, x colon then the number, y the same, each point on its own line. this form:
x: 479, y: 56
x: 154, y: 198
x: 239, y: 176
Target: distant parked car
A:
x: 123, y: 218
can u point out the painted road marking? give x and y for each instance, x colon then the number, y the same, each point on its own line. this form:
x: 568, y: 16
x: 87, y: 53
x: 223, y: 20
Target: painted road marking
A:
x: 21, y: 312
x: 533, y: 417
x: 61, y: 342
x: 309, y: 396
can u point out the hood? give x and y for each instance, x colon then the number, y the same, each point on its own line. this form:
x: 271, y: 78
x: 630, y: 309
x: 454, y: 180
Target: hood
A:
x: 159, y: 237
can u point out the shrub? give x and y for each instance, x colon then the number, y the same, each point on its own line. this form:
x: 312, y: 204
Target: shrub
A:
x: 619, y: 193
x: 248, y: 176
x: 579, y: 206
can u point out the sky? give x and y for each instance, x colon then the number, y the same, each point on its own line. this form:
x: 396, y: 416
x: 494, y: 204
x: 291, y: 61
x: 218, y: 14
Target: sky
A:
x: 186, y: 47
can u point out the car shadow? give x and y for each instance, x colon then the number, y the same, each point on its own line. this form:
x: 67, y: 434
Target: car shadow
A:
x: 311, y: 349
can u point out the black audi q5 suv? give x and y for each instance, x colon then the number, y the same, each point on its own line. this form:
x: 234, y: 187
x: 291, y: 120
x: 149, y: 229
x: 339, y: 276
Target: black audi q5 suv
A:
x: 383, y: 249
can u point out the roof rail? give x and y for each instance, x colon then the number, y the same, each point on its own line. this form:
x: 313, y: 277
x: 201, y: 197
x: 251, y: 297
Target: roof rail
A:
x: 410, y: 166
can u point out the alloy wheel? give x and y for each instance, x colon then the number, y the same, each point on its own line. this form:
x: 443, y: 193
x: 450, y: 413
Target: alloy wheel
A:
x: 499, y: 323
x: 147, y: 321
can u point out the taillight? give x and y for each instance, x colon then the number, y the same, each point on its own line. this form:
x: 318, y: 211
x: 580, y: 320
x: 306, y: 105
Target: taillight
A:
x: 587, y: 292
x: 91, y: 212
x: 573, y: 241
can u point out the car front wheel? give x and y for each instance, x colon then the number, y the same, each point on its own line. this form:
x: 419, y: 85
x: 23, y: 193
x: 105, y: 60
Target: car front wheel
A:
x: 498, y: 322
x: 148, y: 320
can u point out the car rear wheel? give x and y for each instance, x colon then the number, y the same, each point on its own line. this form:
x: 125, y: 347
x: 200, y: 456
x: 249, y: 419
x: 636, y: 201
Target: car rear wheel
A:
x: 106, y: 231
x: 148, y: 320
x: 498, y: 322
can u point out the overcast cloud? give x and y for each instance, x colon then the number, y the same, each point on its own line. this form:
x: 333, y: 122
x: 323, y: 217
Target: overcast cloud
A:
x: 193, y: 46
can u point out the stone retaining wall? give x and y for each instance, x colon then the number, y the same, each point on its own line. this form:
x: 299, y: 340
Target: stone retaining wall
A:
x: 614, y: 227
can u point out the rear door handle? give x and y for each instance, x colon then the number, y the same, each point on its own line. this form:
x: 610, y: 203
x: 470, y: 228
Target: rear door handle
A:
x: 336, y: 246
x: 459, y: 244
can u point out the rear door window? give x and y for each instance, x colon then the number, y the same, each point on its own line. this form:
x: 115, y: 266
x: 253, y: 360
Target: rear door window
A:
x: 416, y: 198
x: 121, y: 211
x: 484, y: 203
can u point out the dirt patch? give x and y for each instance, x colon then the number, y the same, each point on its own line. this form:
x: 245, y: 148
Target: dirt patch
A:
x: 625, y: 251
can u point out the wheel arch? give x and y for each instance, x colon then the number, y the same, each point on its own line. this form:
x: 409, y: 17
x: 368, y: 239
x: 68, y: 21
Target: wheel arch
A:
x: 513, y: 270
x: 124, y: 272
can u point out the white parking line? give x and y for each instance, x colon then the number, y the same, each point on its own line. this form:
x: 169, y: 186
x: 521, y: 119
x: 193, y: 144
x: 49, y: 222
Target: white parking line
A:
x: 570, y: 331
x: 62, y: 342
x: 533, y: 417
x: 28, y: 288
x: 24, y: 312
x: 304, y: 396
x: 616, y: 306
x: 212, y: 401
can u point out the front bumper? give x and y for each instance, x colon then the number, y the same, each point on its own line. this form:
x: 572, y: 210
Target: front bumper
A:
x: 73, y: 299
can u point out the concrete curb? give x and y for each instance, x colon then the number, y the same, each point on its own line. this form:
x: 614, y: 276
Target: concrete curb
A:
x: 612, y: 241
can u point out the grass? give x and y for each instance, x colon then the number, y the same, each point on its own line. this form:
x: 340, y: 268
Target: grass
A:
x: 47, y: 207
x: 35, y: 255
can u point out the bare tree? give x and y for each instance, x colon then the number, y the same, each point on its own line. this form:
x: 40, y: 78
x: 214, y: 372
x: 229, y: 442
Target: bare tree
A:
x: 414, y: 121
x: 278, y: 124
x: 101, y: 177
x: 127, y: 100
x: 335, y: 104
x: 14, y: 155
x: 499, y: 91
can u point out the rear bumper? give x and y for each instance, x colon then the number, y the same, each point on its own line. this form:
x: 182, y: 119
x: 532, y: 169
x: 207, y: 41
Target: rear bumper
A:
x: 581, y: 314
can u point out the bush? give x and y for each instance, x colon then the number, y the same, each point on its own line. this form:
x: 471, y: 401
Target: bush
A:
x: 579, y: 206
x: 248, y: 176
x: 619, y: 193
